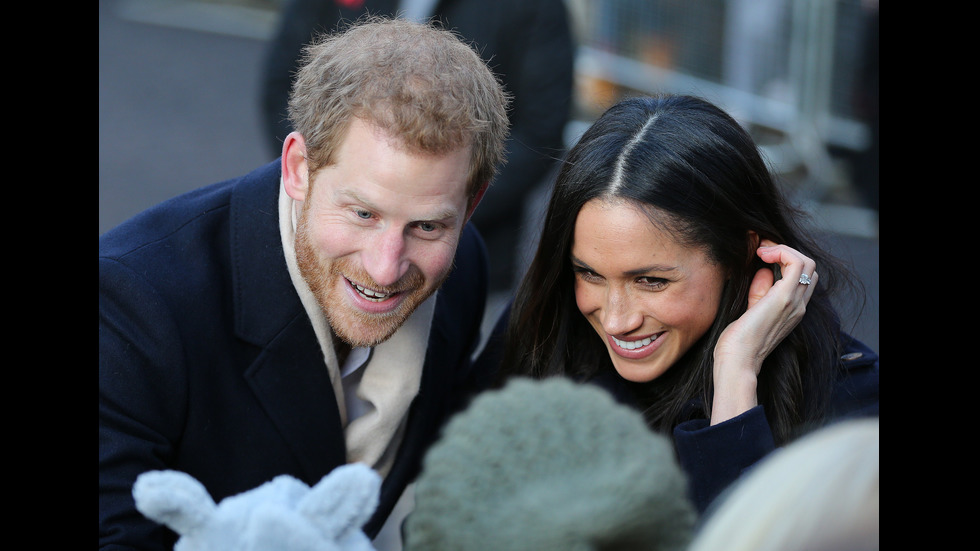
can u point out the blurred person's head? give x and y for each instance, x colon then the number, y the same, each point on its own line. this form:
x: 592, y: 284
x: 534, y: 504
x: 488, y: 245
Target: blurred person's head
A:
x: 820, y: 493
x: 550, y: 465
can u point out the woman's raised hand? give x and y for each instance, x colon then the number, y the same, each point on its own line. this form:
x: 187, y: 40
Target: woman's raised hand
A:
x: 774, y: 310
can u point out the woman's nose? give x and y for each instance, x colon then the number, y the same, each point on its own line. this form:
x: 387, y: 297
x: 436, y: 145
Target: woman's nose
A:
x: 621, y: 314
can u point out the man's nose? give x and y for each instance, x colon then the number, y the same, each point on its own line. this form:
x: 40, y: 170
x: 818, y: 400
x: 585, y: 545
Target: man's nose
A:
x: 385, y: 257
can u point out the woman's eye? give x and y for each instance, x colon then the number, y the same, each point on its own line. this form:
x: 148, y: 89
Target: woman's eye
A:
x: 586, y: 274
x: 653, y: 282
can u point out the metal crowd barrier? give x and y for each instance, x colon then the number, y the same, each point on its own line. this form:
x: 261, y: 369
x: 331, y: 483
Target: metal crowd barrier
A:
x: 784, y: 68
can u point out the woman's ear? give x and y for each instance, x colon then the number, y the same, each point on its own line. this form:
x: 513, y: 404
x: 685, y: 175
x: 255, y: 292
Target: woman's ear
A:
x: 295, y: 169
x: 753, y: 241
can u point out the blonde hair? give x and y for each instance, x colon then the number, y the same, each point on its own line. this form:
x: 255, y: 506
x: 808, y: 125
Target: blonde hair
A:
x: 818, y: 494
x: 418, y: 83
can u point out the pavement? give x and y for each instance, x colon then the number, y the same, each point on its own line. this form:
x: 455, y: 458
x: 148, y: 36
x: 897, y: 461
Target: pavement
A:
x: 179, y: 109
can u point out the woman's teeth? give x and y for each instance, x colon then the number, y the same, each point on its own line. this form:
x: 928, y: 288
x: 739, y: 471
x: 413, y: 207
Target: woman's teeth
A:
x: 633, y: 345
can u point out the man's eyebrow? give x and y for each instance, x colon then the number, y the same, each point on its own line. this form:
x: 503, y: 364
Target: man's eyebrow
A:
x: 352, y: 196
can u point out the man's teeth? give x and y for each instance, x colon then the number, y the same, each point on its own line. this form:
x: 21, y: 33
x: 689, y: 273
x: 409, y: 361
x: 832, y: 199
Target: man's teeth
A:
x: 633, y: 345
x: 370, y: 294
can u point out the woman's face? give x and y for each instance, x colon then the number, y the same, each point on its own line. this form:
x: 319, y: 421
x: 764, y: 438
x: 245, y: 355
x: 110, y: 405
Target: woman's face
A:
x: 647, y: 296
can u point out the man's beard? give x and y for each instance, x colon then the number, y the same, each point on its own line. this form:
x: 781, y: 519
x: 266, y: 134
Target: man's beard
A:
x: 326, y: 280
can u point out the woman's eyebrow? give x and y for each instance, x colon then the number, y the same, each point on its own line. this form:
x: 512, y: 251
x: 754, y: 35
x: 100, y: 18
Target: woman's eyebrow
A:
x: 647, y: 269
x: 634, y: 272
x: 579, y: 263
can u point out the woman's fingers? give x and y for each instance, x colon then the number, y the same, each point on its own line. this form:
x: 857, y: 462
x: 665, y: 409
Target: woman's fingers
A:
x: 792, y: 264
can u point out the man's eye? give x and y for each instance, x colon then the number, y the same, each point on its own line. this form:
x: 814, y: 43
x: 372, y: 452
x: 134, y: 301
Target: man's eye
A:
x: 427, y: 226
x: 363, y: 214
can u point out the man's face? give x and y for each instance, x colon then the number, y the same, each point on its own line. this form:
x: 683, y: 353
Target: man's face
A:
x: 378, y: 232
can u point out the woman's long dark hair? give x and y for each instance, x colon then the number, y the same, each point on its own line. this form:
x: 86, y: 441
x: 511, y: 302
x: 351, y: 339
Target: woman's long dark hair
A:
x: 700, y: 176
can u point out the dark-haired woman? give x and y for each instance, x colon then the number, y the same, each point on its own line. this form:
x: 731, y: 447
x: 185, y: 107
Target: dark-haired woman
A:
x: 672, y: 271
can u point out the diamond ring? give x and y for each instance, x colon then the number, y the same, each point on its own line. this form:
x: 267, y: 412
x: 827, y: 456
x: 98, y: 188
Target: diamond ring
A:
x: 804, y: 279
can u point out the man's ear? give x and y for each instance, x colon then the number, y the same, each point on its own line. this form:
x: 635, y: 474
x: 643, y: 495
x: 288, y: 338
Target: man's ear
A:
x: 295, y: 169
x: 476, y: 200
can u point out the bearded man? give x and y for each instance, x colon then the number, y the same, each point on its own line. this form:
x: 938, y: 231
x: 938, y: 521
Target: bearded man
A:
x: 322, y: 309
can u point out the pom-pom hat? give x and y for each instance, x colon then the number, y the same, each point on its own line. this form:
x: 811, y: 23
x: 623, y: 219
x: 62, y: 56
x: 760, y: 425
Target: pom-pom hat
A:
x: 549, y: 465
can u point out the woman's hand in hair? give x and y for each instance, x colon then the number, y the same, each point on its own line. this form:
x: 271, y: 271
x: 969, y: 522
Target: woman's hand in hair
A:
x: 775, y: 307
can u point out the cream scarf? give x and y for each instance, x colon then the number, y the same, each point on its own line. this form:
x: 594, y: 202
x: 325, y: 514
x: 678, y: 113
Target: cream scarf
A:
x: 391, y: 378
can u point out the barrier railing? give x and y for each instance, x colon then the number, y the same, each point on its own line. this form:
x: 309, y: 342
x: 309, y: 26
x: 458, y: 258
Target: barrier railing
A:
x: 785, y: 68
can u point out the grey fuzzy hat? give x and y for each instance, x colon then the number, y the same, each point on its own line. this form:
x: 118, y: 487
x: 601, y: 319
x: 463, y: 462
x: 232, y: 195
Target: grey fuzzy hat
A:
x: 549, y: 465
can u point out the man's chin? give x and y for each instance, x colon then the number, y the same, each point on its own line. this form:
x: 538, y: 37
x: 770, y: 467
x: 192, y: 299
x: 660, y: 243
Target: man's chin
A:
x: 362, y: 329
x: 365, y: 326
x: 362, y: 334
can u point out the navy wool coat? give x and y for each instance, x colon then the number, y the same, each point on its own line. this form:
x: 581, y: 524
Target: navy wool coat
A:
x: 208, y: 363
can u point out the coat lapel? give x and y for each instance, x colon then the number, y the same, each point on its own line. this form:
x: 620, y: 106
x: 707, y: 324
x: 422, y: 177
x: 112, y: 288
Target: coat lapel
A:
x: 288, y: 377
x: 292, y: 383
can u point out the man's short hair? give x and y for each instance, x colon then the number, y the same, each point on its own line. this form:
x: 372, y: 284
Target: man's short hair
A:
x: 418, y: 82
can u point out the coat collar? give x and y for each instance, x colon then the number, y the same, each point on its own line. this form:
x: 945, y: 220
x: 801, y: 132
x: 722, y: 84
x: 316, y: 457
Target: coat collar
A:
x: 265, y: 300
